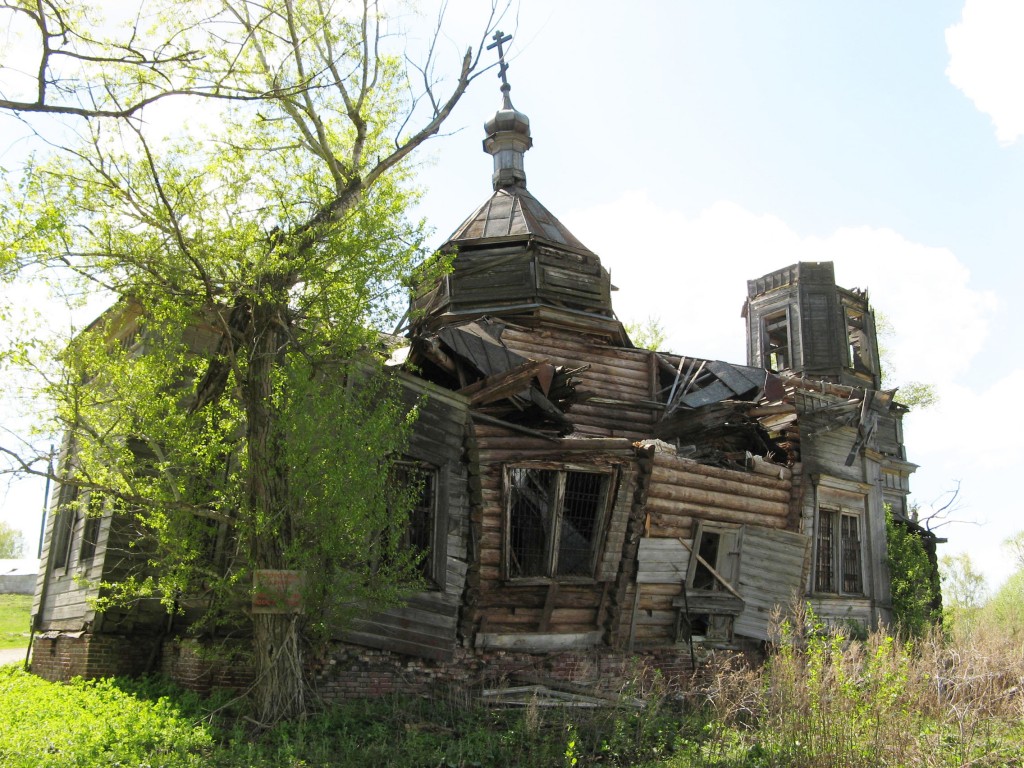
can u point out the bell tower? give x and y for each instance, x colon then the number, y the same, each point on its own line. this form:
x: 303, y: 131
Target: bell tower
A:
x: 800, y: 322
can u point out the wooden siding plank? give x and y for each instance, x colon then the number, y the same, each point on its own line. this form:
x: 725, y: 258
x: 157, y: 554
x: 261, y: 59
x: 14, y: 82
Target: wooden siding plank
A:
x: 772, y: 571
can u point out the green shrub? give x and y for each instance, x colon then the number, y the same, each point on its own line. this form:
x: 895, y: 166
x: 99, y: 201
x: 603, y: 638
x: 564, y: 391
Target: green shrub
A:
x: 914, y: 580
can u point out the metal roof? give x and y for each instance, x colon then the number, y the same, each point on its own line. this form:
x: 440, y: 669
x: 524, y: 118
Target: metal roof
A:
x: 514, y: 212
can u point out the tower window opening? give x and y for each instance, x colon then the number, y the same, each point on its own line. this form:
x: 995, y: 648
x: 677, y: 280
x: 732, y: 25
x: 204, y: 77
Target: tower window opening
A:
x: 776, y: 341
x: 859, y: 357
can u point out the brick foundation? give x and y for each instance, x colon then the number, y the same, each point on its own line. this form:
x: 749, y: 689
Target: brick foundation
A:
x: 350, y: 672
x: 88, y: 655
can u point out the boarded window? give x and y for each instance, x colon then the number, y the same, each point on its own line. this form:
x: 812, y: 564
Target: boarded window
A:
x: 555, y: 521
x: 775, y: 341
x: 839, y: 557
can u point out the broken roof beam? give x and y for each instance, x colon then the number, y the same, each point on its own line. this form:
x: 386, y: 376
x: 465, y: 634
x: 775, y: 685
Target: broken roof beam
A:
x: 507, y: 383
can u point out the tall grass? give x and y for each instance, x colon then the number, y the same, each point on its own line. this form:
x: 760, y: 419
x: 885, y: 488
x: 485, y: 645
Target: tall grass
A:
x: 824, y: 701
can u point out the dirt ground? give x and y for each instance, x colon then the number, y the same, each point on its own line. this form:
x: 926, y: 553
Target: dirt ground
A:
x: 12, y: 655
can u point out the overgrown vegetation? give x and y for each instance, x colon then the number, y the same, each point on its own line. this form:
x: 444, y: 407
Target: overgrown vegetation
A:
x: 820, y: 700
x: 914, y: 580
x: 117, y: 722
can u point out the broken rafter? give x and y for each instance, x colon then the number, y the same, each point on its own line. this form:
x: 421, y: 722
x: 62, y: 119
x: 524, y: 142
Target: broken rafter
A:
x: 477, y: 416
x: 508, y: 383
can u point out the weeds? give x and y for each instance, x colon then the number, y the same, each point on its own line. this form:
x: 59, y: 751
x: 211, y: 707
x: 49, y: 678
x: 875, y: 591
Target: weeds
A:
x: 825, y: 701
x: 821, y: 700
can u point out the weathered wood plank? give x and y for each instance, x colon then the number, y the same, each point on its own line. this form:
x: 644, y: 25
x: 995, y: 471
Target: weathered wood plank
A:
x: 718, y: 514
x: 662, y: 475
x: 537, y: 642
x: 718, y: 500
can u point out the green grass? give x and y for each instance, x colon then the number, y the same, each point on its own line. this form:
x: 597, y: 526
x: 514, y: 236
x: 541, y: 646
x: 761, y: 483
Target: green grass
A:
x: 14, y: 615
x: 93, y: 724
x: 821, y: 701
x: 150, y: 723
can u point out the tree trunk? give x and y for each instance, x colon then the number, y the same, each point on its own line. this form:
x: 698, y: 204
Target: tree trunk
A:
x: 279, y: 686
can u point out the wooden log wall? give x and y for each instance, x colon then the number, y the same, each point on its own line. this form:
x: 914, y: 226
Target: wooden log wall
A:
x: 427, y: 625
x: 678, y: 494
x: 682, y: 491
x: 497, y: 609
x: 621, y: 380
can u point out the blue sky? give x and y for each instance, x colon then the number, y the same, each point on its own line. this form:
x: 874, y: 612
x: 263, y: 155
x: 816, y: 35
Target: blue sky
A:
x: 695, y: 145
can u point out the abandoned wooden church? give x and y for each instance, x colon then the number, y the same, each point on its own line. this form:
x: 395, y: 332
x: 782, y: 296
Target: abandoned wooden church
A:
x: 586, y: 502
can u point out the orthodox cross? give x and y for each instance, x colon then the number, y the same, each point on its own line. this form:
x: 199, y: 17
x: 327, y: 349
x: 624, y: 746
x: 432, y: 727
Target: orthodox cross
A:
x: 499, y: 41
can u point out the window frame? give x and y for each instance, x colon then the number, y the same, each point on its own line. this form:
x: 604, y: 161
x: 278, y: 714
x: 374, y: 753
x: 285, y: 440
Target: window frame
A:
x: 860, y: 354
x: 836, y: 567
x: 552, y: 542
x: 65, y: 519
x: 771, y: 322
x: 433, y: 565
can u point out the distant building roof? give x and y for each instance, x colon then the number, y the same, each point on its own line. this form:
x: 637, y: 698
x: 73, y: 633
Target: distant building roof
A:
x: 25, y: 566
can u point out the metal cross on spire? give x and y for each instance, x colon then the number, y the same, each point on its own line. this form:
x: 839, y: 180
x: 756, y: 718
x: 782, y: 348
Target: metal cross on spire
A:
x: 499, y: 41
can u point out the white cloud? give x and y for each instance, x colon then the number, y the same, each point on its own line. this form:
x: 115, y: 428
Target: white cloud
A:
x: 691, y: 272
x: 986, y: 62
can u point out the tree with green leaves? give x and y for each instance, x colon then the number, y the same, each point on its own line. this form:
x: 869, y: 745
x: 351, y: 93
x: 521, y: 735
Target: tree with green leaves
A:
x: 916, y: 394
x: 12, y: 543
x: 648, y: 334
x: 1015, y: 544
x: 914, y: 579
x: 233, y: 380
x: 963, y: 591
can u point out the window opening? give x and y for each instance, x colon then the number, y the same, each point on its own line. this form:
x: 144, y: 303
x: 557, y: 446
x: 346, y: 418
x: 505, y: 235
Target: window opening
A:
x: 554, y: 521
x: 64, y: 525
x: 859, y: 357
x: 826, y: 536
x: 579, y: 523
x: 852, y: 580
x: 776, y: 341
x: 839, y: 566
x: 707, y: 608
x: 418, y: 535
x: 708, y: 550
x: 91, y: 528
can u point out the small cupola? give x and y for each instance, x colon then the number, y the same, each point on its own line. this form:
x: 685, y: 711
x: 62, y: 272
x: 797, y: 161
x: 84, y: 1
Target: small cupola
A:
x: 513, y: 259
x: 508, y: 139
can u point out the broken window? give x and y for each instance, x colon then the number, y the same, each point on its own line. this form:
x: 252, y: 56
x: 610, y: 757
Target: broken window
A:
x: 554, y: 521
x: 708, y: 606
x: 418, y: 534
x: 775, y: 341
x: 839, y: 560
x: 860, y: 354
